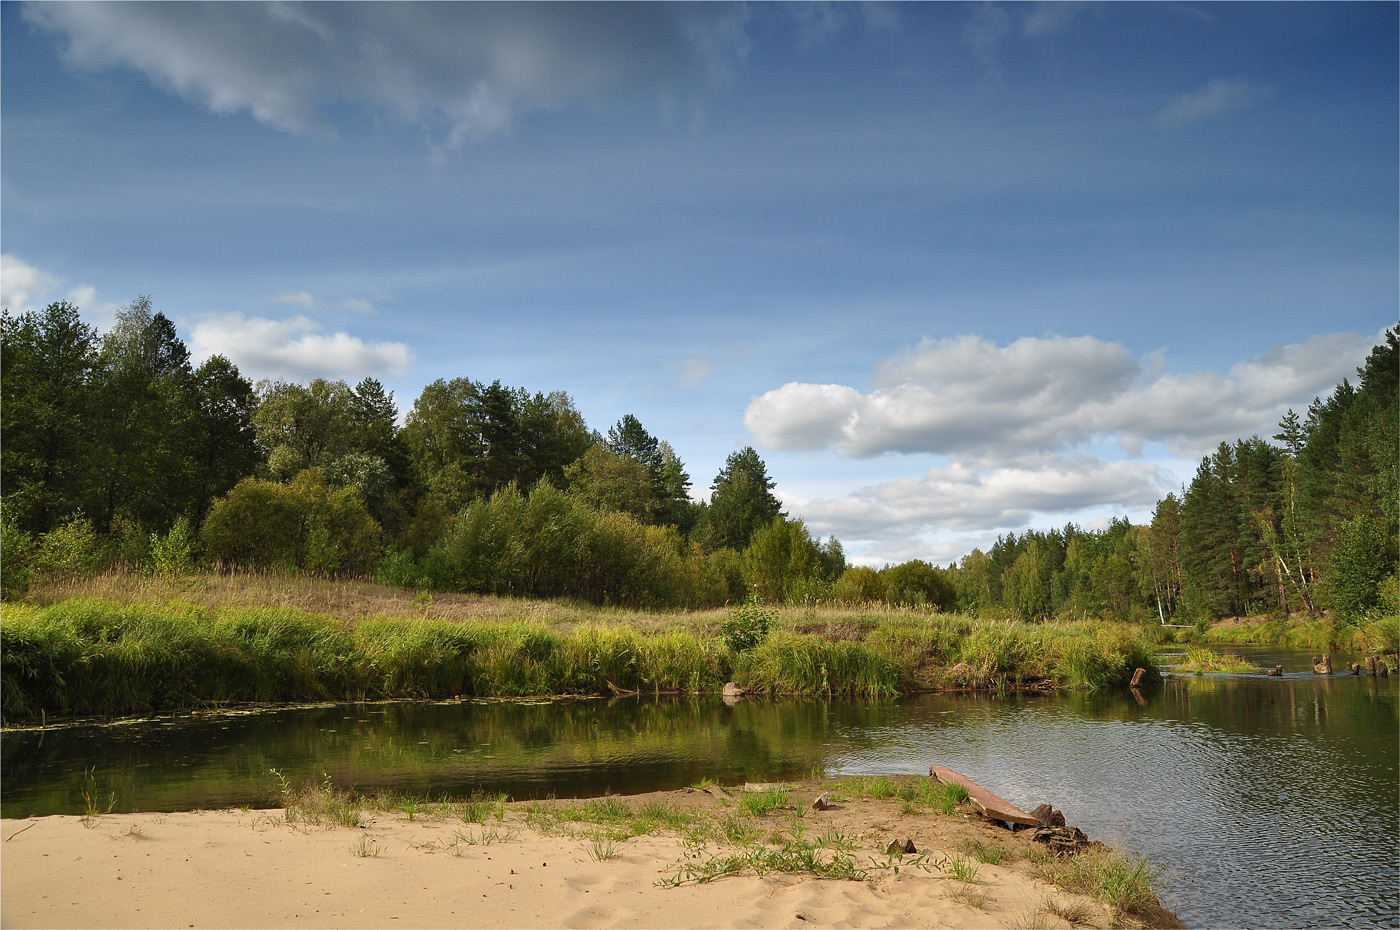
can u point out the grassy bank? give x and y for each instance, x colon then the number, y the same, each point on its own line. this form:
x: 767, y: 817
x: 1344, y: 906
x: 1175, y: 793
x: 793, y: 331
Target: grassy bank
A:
x: 1373, y: 636
x: 141, y: 654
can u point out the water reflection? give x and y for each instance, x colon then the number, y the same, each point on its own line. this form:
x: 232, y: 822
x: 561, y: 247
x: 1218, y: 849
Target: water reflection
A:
x: 1273, y: 799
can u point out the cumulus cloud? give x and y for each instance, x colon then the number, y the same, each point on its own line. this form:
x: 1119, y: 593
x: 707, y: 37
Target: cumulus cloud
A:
x: 294, y: 348
x: 471, y: 67
x: 23, y: 285
x: 962, y: 497
x: 1221, y: 97
x: 968, y: 398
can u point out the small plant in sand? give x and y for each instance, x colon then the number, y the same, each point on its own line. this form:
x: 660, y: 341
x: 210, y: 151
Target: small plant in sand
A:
x: 766, y: 801
x: 989, y: 853
x: 93, y: 804
x: 1073, y: 912
x: 961, y: 868
x: 366, y: 848
x: 480, y: 807
x: 319, y: 805
x: 601, y: 848
x: 969, y: 896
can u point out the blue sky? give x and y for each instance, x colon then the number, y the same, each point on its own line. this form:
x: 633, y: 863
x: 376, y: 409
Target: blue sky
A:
x: 953, y: 269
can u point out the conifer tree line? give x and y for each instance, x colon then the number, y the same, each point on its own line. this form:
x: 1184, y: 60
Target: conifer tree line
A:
x: 117, y: 450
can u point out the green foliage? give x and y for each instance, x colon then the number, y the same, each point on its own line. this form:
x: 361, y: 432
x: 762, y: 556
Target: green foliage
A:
x: 859, y: 585
x: 747, y: 624
x: 173, y: 553
x: 68, y: 550
x: 1358, y: 562
x: 741, y: 502
x: 302, y: 525
x: 781, y: 561
x: 17, y: 551
x: 917, y: 583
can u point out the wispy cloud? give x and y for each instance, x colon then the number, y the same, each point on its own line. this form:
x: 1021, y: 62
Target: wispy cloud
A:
x: 466, y: 69
x: 296, y: 298
x: 294, y: 348
x: 692, y: 371
x: 1221, y: 97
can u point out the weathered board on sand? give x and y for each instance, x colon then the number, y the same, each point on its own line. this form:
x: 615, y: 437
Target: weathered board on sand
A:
x: 982, y: 799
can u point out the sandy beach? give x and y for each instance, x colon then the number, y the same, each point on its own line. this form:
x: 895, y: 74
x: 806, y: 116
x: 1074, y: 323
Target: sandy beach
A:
x: 236, y: 868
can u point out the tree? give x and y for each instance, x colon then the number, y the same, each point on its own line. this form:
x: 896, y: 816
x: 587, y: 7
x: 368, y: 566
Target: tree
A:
x: 304, y: 426
x: 780, y: 556
x: 146, y: 403
x: 46, y: 387
x: 604, y: 479
x: 741, y: 501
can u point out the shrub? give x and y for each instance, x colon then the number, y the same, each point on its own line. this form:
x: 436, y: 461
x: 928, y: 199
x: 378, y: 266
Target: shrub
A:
x: 173, y: 553
x: 68, y: 550
x: 747, y: 624
x: 859, y: 585
x: 301, y: 525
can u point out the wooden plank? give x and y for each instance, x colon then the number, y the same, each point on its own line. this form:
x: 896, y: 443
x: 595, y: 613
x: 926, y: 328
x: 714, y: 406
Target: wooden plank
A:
x: 982, y: 799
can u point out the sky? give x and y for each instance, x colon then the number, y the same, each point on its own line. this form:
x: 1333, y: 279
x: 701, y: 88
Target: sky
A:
x: 954, y: 270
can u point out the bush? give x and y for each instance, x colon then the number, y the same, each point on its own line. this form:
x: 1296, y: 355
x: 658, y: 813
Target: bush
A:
x: 173, y: 553
x: 748, y: 624
x: 17, y: 550
x: 302, y: 525
x: 859, y: 585
x: 68, y: 550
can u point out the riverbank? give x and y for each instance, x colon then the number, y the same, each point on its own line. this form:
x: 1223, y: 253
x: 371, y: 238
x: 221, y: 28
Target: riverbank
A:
x: 139, y: 655
x: 699, y: 857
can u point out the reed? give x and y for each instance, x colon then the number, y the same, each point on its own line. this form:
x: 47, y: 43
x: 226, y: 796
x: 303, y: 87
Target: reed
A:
x: 97, y: 656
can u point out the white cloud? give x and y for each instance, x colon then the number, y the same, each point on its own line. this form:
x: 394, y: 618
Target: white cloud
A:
x: 693, y: 371
x: 21, y: 284
x: 295, y: 298
x: 966, y: 498
x: 1221, y: 97
x: 968, y: 398
x: 294, y: 349
x: 468, y: 69
x: 24, y: 287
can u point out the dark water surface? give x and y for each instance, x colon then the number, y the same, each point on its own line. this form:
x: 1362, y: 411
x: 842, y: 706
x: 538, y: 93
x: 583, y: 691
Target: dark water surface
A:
x: 1273, y: 801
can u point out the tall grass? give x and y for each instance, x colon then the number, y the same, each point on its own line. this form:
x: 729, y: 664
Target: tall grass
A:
x: 91, y: 656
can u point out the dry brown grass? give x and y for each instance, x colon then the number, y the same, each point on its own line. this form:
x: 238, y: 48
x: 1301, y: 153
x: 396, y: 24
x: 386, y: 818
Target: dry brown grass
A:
x: 350, y: 599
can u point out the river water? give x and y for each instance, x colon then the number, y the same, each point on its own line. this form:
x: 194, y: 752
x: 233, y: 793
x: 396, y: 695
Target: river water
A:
x: 1273, y: 801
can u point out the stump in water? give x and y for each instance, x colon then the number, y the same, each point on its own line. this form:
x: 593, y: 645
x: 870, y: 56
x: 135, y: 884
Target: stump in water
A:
x: 1138, y: 676
x: 1322, y: 665
x: 1383, y: 668
x: 1276, y: 671
x: 1355, y: 668
x: 1371, y: 666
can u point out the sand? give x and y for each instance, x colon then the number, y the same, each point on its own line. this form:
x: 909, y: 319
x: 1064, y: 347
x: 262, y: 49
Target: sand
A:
x: 253, y: 869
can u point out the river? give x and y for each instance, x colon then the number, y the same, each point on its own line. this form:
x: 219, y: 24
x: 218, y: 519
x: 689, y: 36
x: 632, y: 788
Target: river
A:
x: 1272, y: 801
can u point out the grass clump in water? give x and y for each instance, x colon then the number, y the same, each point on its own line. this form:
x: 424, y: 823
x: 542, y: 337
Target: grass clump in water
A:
x: 1199, y: 660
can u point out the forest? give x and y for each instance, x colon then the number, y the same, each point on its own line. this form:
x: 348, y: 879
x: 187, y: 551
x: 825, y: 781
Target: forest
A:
x: 119, y: 453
